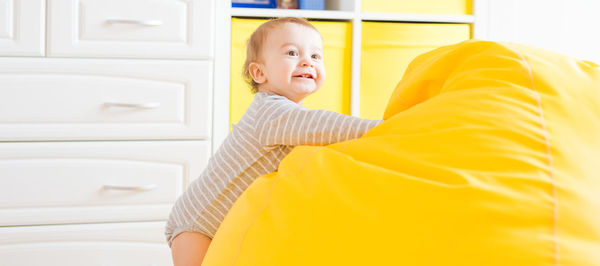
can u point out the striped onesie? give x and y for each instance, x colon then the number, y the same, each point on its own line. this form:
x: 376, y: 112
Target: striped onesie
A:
x: 267, y: 132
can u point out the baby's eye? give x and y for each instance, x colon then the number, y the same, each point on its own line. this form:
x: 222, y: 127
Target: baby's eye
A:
x: 292, y: 53
x: 316, y: 56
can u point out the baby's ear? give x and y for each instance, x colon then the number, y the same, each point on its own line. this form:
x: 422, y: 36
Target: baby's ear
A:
x: 257, y: 73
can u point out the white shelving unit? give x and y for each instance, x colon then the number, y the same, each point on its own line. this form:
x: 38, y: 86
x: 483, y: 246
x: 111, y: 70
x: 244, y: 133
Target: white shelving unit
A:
x: 345, y: 10
x: 310, y: 14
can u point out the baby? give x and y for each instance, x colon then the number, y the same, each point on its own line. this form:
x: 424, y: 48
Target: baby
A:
x: 284, y: 64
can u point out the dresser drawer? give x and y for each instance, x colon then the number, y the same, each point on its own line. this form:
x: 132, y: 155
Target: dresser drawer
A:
x: 92, y: 99
x: 73, y: 182
x: 22, y: 26
x: 116, y: 244
x: 131, y: 28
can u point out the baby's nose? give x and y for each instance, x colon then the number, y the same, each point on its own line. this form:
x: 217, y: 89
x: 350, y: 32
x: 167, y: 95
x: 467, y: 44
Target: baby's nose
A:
x: 306, y: 63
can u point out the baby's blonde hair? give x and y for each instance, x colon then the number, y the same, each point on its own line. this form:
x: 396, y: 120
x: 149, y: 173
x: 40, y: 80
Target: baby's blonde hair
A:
x: 255, y: 43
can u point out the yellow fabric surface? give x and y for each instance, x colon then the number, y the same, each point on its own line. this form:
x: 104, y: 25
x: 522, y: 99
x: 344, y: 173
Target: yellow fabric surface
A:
x: 488, y: 155
x: 400, y: 43
x: 337, y: 53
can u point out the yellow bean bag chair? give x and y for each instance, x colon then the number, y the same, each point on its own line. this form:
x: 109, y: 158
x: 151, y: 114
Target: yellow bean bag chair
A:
x: 489, y: 155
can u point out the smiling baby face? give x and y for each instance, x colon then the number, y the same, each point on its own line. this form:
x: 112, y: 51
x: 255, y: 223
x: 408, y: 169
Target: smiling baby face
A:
x: 291, y: 62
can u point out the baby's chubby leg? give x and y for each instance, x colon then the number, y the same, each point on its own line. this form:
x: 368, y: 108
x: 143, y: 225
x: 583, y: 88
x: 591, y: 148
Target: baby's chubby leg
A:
x: 189, y: 248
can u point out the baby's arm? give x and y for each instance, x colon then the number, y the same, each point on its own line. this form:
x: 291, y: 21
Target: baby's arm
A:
x: 287, y: 123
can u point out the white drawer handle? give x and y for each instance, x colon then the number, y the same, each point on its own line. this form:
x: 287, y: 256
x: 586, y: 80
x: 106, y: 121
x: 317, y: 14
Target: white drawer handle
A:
x: 133, y: 105
x: 131, y: 188
x: 135, y: 22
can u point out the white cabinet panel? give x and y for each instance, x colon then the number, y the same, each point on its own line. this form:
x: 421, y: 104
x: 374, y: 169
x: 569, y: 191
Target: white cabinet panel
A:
x: 22, y: 27
x: 103, y: 131
x: 131, y: 28
x: 128, y: 244
x: 68, y: 182
x: 93, y: 99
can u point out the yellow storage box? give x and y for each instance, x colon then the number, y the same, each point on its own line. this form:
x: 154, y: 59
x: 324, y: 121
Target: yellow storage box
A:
x: 337, y: 53
x: 388, y: 48
x: 488, y: 155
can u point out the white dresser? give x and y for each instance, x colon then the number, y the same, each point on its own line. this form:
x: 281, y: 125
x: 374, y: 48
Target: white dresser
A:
x: 105, y: 117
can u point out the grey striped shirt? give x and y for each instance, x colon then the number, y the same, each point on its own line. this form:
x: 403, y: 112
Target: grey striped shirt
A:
x: 267, y: 132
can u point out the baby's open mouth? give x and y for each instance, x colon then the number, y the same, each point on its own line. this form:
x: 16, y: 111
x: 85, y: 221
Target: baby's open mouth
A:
x: 306, y: 75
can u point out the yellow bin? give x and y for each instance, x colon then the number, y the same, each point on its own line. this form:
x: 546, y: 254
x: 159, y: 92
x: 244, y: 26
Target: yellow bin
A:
x: 387, y: 48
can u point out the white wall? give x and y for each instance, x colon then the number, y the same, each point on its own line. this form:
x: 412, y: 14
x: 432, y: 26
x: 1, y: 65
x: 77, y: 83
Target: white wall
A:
x: 571, y: 27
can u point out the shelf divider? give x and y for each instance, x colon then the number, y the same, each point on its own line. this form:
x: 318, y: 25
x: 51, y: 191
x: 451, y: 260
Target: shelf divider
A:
x: 439, y: 18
